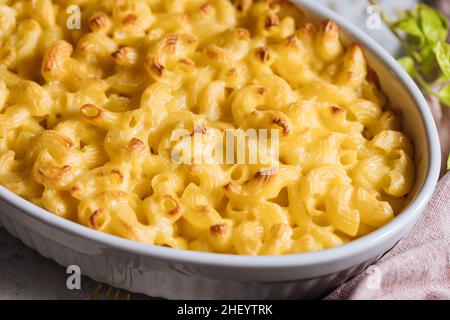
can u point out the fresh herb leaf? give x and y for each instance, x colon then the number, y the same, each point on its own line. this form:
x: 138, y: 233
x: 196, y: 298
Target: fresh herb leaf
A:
x: 444, y: 95
x: 427, y: 60
x: 433, y: 24
x: 411, y: 27
x: 442, y: 52
x: 423, y: 27
x: 408, y: 64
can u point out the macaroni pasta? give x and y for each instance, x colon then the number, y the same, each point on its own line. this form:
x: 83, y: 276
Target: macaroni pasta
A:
x: 87, y: 119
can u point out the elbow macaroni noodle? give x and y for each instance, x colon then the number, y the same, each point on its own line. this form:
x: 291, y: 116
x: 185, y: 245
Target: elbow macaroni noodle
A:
x: 87, y: 122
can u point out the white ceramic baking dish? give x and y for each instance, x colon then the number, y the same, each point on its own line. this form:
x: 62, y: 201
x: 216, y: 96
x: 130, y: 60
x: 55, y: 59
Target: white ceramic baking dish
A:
x: 169, y: 273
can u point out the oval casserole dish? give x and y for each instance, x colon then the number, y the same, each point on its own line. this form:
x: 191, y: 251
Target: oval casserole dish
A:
x: 176, y: 274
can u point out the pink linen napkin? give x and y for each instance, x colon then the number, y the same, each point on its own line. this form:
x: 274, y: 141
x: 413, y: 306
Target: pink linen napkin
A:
x: 418, y: 267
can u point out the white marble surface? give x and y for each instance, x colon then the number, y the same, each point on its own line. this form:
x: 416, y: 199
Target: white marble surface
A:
x: 26, y: 275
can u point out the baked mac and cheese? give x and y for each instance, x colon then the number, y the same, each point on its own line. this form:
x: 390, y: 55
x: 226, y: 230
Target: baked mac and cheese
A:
x: 87, y: 117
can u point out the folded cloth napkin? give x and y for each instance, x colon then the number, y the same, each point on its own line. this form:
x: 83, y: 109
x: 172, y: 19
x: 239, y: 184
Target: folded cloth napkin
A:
x: 418, y: 267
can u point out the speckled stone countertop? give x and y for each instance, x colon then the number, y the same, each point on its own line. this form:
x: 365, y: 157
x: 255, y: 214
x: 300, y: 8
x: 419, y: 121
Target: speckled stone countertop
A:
x: 24, y: 274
